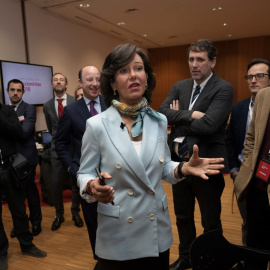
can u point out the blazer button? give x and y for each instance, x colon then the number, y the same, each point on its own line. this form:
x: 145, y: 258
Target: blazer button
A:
x: 118, y: 165
x: 130, y: 192
x: 130, y: 219
x: 151, y: 216
x: 161, y: 159
x: 150, y: 191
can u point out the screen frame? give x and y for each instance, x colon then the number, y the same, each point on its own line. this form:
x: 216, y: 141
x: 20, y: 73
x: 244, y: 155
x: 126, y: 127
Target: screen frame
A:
x: 20, y: 63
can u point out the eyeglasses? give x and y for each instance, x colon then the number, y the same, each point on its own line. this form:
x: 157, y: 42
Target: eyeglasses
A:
x: 258, y: 76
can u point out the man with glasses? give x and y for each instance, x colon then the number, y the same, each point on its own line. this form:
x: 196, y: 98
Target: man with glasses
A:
x: 53, y: 110
x: 251, y: 183
x: 257, y: 77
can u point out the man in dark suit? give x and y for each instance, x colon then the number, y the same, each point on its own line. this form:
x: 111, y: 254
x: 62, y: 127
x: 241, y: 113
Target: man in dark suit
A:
x: 240, y: 119
x: 198, y: 108
x: 73, y: 122
x: 27, y: 146
x: 53, y: 110
x: 10, y: 132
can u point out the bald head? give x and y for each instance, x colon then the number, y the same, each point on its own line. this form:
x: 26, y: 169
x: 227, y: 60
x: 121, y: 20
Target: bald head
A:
x: 89, y: 81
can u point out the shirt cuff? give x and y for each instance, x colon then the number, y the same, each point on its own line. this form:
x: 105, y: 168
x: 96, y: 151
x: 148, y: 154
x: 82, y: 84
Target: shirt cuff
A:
x: 83, y: 190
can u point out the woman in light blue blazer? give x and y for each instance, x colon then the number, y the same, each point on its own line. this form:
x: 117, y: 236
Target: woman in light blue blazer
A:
x: 128, y: 144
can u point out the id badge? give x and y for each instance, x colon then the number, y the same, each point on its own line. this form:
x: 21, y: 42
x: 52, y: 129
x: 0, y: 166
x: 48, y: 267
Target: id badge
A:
x: 263, y: 170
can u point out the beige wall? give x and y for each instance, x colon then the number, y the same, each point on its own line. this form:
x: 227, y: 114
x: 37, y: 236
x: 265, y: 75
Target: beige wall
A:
x: 52, y: 41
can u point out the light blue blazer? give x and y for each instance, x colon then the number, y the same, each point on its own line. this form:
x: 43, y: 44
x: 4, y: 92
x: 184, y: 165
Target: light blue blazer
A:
x: 138, y: 224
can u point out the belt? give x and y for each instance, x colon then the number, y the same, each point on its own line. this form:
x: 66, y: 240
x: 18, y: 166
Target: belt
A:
x: 4, y: 165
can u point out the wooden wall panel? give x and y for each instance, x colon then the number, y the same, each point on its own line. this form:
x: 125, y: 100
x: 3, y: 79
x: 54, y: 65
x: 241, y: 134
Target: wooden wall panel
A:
x: 170, y: 65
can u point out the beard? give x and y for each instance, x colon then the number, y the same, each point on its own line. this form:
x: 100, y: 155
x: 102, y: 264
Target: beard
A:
x: 59, y: 90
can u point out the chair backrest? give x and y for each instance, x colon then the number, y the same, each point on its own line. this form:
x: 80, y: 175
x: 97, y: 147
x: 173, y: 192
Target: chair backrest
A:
x: 212, y: 251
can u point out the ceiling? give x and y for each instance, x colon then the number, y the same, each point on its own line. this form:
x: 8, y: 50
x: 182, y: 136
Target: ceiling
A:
x: 163, y: 23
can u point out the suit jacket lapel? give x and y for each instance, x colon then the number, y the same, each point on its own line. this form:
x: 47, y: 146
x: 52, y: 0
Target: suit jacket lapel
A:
x: 262, y: 118
x: 184, y: 100
x: 69, y: 99
x: 149, y: 140
x: 52, y: 108
x: 207, y: 88
x: 82, y: 109
x: 243, y: 116
x: 121, y: 141
x: 20, y: 108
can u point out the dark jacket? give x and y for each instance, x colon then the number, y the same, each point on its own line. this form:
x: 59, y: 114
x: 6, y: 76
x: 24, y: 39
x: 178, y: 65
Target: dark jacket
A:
x: 10, y: 131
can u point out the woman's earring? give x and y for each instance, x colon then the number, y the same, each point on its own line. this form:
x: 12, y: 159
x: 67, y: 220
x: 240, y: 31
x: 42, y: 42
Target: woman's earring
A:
x: 146, y: 87
x: 114, y: 92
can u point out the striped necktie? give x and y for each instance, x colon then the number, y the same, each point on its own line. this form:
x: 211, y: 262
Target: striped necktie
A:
x: 183, y: 148
x: 196, y: 93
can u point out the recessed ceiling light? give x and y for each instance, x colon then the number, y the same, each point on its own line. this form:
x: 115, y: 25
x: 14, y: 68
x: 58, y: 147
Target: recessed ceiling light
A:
x: 145, y: 35
x: 228, y: 35
x: 217, y: 8
x: 121, y: 23
x: 224, y: 24
x: 84, y: 5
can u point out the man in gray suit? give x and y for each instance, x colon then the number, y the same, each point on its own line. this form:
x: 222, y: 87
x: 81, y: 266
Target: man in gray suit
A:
x: 198, y: 108
x: 53, y: 110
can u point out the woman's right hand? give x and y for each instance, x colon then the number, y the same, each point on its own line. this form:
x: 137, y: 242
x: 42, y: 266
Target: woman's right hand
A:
x: 103, y: 194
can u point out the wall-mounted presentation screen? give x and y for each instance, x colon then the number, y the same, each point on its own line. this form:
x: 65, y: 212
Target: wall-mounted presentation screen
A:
x: 36, y: 79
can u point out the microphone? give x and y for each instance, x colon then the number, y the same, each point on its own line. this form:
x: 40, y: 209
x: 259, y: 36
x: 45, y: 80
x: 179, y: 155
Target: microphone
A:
x: 122, y: 125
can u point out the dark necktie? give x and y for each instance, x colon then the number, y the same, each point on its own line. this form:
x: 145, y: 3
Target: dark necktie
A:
x: 60, y: 107
x: 183, y: 148
x: 196, y: 93
x: 93, y: 111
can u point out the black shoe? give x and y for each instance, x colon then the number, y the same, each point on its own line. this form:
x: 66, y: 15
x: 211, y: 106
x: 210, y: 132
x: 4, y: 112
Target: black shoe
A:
x: 35, y: 252
x: 180, y: 265
x: 96, y: 266
x: 12, y: 233
x: 3, y: 263
x: 77, y: 220
x: 57, y: 223
x: 36, y: 229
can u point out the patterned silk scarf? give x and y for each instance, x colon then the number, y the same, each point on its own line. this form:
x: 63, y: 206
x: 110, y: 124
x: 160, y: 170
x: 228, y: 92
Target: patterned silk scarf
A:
x: 138, y: 111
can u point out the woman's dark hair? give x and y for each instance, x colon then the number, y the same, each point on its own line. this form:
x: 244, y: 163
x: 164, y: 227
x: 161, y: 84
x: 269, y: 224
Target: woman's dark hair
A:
x: 121, y: 56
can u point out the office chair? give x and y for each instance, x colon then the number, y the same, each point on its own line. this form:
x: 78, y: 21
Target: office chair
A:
x: 211, y: 251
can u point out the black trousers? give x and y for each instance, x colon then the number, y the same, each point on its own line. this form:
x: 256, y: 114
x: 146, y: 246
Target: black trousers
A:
x: 15, y: 198
x: 59, y: 177
x: 208, y: 194
x: 33, y: 199
x: 258, y: 225
x: 90, y: 217
x: 157, y: 263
